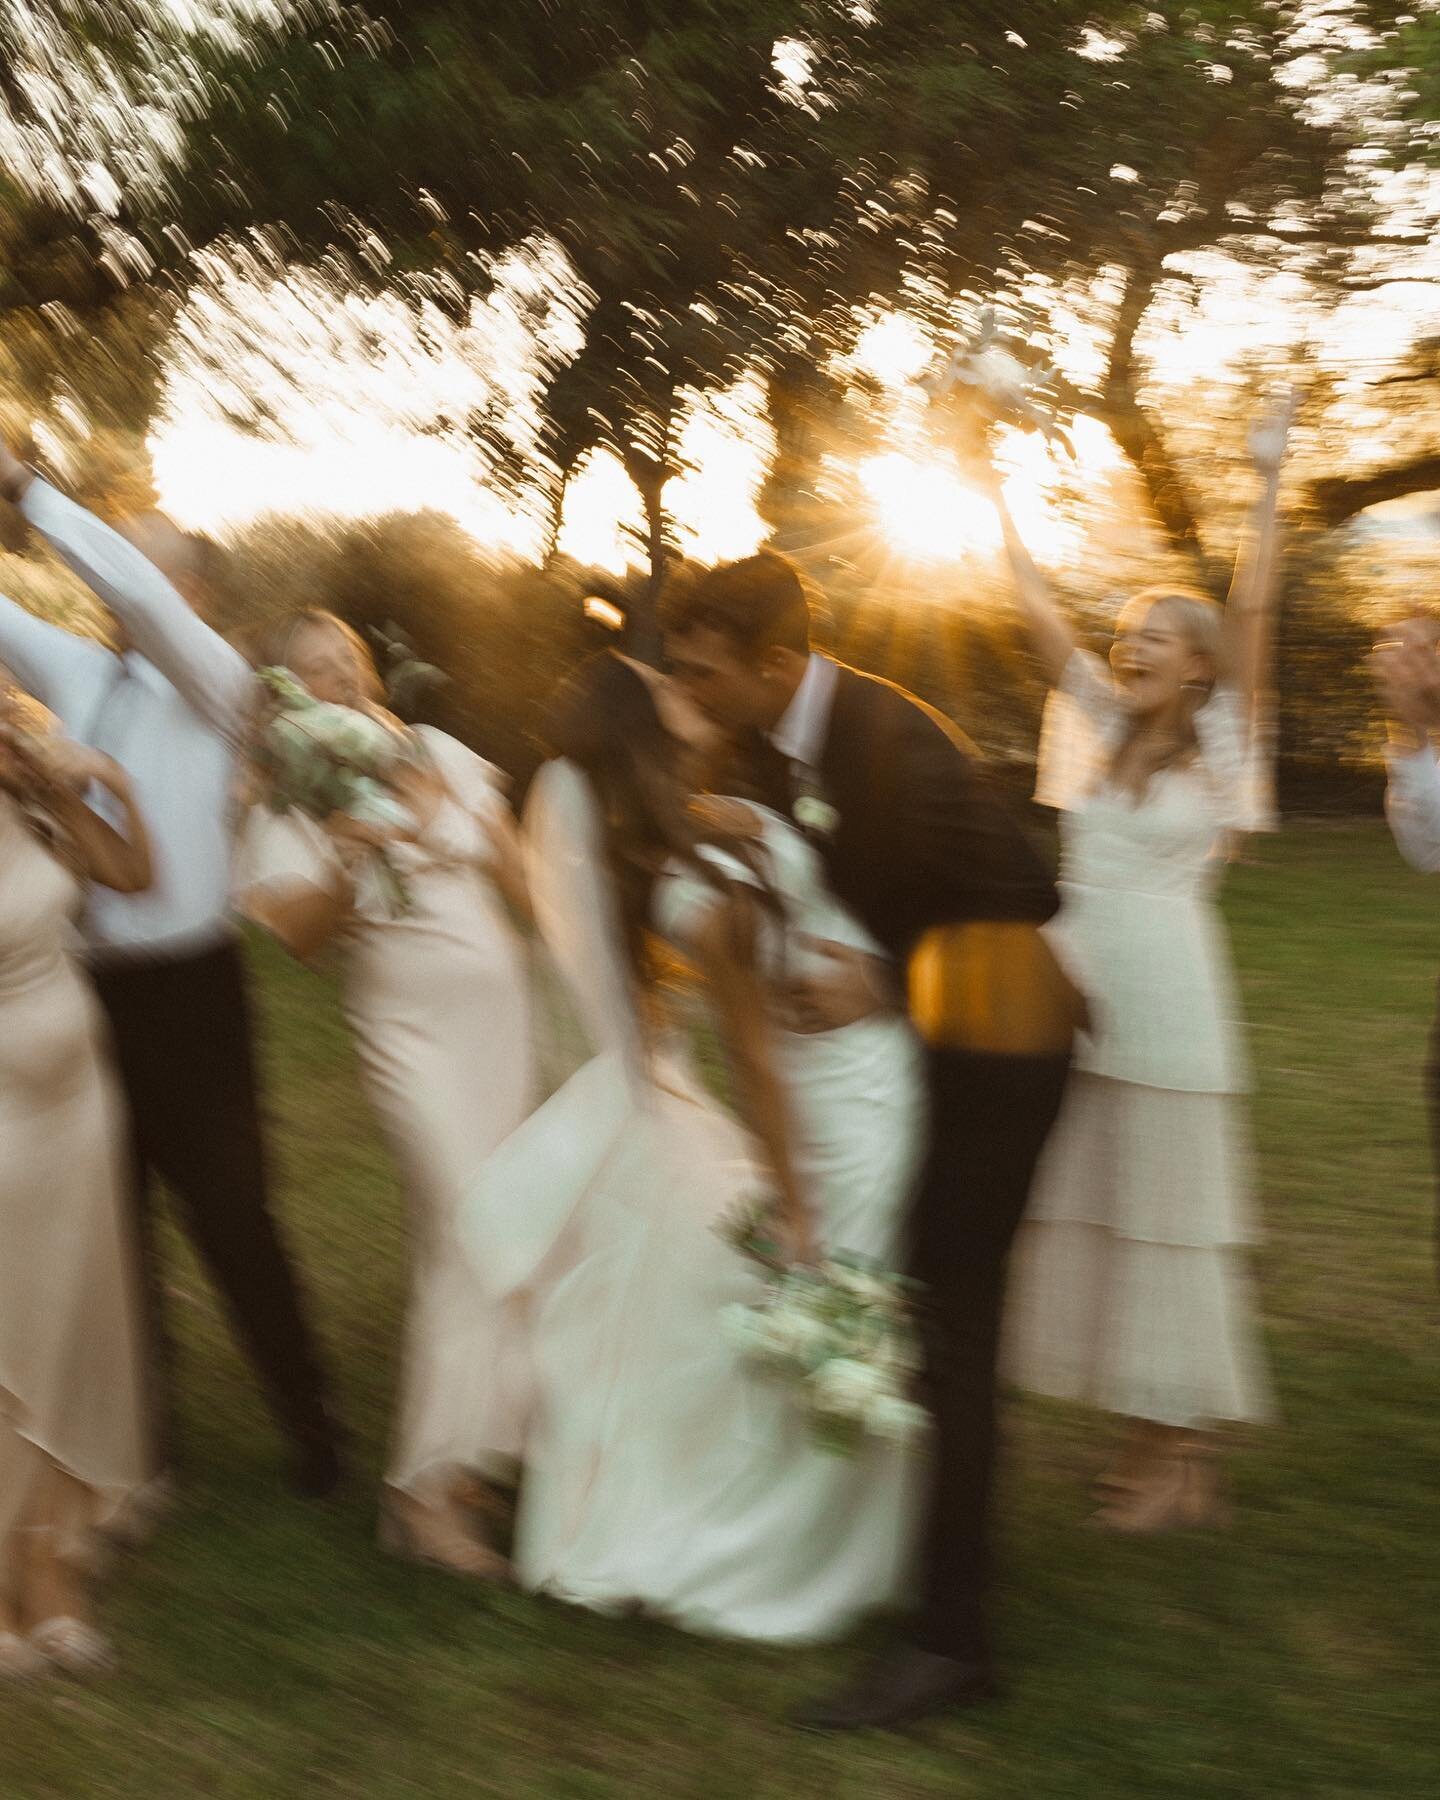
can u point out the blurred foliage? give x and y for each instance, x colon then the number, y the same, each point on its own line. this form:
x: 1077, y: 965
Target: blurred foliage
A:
x: 644, y: 200
x: 504, y: 634
x: 732, y: 182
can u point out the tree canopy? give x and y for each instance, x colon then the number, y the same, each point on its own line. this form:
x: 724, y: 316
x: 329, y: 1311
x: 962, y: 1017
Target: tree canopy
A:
x: 664, y: 196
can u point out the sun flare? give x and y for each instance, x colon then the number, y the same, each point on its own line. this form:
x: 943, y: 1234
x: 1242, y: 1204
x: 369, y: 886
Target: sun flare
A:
x: 929, y: 511
x: 366, y: 404
x: 926, y: 510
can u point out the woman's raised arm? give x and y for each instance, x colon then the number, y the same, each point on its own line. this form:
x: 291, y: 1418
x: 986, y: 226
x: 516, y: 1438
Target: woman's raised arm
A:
x: 1051, y: 632
x: 1249, y: 608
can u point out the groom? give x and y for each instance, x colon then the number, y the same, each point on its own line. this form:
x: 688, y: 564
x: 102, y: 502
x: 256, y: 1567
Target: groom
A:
x: 914, y: 842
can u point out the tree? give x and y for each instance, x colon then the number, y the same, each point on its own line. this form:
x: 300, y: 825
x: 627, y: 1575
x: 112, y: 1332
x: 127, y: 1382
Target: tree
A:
x: 729, y: 182
x: 92, y: 93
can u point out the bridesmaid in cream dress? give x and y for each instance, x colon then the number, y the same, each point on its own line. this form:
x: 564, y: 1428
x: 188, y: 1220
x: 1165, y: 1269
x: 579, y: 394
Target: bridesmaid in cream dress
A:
x: 438, y: 1001
x: 73, y: 1447
x: 1131, y: 1286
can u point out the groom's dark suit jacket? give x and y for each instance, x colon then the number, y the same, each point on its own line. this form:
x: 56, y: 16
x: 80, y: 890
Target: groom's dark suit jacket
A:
x: 923, y: 848
x: 922, y: 840
x: 947, y: 880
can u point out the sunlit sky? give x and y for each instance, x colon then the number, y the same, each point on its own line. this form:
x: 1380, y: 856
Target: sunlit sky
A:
x: 282, y: 397
x: 360, y: 434
x: 366, y: 407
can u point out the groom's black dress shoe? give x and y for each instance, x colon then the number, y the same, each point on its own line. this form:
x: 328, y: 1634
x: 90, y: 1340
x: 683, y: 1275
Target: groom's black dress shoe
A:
x: 316, y: 1474
x: 900, y: 1686
x: 316, y: 1469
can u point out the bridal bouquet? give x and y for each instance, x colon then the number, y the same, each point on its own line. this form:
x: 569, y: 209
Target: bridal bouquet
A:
x: 1010, y: 387
x: 840, y: 1335
x: 319, y: 759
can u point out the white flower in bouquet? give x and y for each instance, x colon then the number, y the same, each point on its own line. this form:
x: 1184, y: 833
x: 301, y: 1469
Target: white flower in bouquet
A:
x: 372, y: 804
x: 848, y: 1389
x: 839, y: 1335
x: 1004, y: 379
x: 800, y: 1334
x: 895, y: 1418
x: 862, y: 1284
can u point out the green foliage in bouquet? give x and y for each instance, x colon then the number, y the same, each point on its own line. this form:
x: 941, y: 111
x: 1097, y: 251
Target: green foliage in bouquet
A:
x: 840, y: 1334
x: 319, y: 759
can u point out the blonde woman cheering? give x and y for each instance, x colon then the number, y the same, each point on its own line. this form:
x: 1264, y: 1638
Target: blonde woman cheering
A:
x: 1129, y: 1287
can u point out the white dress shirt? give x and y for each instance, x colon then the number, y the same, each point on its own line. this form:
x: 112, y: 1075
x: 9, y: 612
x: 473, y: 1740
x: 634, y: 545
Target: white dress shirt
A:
x: 172, y: 712
x: 804, y: 726
x: 1412, y: 804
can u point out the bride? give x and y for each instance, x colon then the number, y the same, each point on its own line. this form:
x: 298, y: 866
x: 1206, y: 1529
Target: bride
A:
x: 662, y: 1474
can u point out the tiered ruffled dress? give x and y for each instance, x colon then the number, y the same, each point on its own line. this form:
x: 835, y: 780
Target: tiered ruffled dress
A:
x: 1130, y: 1288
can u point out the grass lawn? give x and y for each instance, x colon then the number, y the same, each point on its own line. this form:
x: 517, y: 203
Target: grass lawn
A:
x: 271, y: 1651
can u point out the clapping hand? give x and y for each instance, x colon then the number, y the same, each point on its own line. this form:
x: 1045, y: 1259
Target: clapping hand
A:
x: 1270, y: 433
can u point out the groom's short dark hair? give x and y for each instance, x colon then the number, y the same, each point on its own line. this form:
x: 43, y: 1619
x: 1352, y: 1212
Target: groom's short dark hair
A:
x: 759, y: 603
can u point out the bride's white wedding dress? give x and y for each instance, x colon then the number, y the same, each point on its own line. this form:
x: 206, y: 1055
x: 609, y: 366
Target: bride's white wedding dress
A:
x: 662, y: 1472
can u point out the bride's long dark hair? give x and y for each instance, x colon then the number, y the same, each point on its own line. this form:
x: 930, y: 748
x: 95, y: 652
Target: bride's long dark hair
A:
x: 605, y: 721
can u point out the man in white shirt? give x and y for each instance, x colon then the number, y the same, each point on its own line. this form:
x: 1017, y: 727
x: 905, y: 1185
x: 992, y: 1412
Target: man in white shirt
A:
x: 172, y: 707
x: 1407, y: 673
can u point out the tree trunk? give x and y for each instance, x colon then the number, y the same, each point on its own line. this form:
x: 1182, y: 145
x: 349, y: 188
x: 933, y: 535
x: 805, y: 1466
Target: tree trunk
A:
x: 642, y: 628
x: 555, y: 522
x: 1140, y: 438
x: 790, y: 502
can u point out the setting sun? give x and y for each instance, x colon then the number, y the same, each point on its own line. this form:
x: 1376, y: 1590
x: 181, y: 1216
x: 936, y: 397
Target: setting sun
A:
x: 926, y: 510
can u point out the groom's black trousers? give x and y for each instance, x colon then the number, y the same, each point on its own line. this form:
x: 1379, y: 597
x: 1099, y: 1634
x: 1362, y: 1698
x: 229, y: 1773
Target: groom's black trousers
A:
x: 182, y: 1040
x: 990, y: 1116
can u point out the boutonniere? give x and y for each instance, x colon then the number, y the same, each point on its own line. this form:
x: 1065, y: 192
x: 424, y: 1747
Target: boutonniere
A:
x: 813, y: 813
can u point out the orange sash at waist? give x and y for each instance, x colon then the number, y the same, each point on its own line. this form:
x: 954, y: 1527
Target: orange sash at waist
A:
x: 992, y: 988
